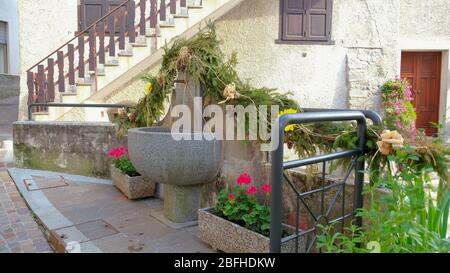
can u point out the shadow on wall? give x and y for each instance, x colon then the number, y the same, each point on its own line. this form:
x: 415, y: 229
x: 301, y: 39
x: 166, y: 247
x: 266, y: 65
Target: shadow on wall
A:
x: 263, y: 10
x: 9, y: 104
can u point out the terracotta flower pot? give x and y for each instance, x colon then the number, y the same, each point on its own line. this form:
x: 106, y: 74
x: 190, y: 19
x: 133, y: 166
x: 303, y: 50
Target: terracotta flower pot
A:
x: 132, y: 187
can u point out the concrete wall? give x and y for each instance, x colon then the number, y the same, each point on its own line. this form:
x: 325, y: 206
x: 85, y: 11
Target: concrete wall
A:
x: 44, y: 25
x: 9, y: 14
x: 77, y: 148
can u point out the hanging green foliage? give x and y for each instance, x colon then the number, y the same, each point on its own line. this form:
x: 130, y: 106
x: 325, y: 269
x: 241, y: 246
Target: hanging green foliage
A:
x: 202, y: 59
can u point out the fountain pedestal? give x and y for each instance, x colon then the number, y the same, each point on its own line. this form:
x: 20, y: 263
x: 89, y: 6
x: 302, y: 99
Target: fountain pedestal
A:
x: 181, y: 203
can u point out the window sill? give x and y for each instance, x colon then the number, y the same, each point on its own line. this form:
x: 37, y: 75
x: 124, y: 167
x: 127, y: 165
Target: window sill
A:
x: 293, y: 42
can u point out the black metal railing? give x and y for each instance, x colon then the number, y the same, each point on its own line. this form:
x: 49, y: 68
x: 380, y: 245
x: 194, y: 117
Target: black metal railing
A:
x: 279, y: 176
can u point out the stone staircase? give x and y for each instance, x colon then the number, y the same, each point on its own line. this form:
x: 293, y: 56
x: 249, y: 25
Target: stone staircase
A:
x: 112, y: 52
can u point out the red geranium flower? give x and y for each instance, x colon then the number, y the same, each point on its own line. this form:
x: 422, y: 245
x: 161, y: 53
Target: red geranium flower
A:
x: 244, y: 178
x: 117, y: 152
x: 230, y: 197
x: 266, y: 188
x: 252, y: 190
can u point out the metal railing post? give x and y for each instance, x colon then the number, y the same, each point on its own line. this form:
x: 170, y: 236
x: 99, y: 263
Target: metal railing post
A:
x: 278, y: 166
x: 359, y: 175
x: 276, y: 207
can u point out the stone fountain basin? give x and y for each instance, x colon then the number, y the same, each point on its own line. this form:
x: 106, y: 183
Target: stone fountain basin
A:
x: 156, y: 154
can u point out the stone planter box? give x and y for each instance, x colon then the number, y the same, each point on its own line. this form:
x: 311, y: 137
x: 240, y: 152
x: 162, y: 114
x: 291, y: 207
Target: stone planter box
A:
x: 229, y: 237
x: 133, y: 187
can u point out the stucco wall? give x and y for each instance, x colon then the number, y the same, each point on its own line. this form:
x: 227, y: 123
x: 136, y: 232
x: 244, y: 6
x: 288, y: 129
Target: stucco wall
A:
x: 421, y: 18
x: 9, y: 14
x: 346, y: 74
x: 44, y: 25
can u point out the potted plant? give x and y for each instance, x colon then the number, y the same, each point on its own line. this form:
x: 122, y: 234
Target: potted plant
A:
x: 239, y: 215
x: 125, y: 177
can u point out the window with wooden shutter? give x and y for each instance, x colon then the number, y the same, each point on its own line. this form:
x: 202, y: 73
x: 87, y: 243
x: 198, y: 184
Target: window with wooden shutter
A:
x: 306, y: 21
x: 92, y: 10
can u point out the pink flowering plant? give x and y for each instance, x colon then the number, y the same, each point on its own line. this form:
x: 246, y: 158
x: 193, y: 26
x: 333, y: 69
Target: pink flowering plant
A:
x: 397, y: 101
x: 240, y: 205
x: 121, y: 161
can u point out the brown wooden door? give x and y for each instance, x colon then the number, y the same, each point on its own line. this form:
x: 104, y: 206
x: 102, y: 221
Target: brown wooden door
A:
x: 423, y: 71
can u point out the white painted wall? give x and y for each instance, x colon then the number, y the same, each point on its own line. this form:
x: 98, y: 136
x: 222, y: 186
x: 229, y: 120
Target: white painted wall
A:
x: 44, y: 25
x: 9, y: 14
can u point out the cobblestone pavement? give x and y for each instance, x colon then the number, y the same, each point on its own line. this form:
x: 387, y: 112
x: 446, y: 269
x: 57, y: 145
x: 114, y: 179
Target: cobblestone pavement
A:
x: 19, y: 232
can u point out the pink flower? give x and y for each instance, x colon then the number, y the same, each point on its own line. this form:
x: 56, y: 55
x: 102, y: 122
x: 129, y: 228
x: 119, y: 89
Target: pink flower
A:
x: 266, y: 188
x: 230, y: 197
x: 244, y: 178
x: 116, y: 152
x: 252, y: 190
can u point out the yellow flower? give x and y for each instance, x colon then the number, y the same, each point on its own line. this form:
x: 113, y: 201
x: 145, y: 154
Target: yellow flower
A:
x: 289, y: 128
x: 148, y: 89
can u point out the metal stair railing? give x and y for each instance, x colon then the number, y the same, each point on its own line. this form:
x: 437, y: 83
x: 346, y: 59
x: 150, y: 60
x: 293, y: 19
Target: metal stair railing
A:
x: 278, y: 176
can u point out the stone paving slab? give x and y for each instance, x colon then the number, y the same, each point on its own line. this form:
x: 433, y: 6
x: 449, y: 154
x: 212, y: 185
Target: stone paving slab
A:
x: 19, y: 232
x: 91, y: 216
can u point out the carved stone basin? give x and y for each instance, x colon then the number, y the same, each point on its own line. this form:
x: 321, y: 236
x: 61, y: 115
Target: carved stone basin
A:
x: 183, y: 166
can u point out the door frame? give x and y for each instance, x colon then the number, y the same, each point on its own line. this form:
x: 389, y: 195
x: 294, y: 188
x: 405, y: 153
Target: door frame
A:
x: 444, y: 97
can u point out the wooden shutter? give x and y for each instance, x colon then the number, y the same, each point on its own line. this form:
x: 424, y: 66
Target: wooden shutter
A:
x: 92, y: 10
x: 318, y: 25
x: 294, y: 19
x: 306, y: 20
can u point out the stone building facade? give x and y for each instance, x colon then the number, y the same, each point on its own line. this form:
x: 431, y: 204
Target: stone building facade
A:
x: 367, y: 41
x: 369, y: 38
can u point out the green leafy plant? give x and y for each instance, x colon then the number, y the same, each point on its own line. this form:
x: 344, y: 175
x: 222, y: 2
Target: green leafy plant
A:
x: 240, y: 205
x: 406, y: 218
x: 122, y: 161
x: 202, y: 59
x: 336, y: 242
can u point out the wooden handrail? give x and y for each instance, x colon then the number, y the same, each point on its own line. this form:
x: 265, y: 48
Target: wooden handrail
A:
x: 41, y: 84
x: 87, y: 40
x: 81, y: 33
x: 66, y: 75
